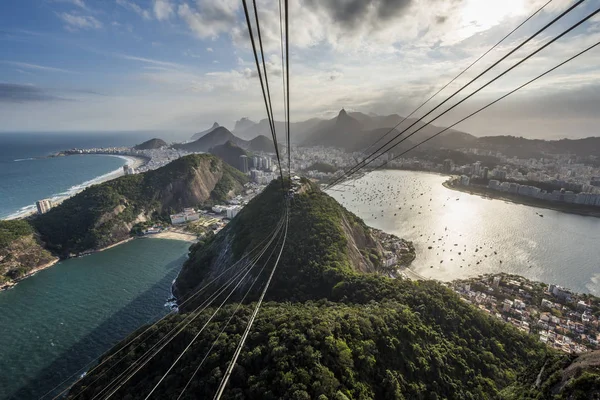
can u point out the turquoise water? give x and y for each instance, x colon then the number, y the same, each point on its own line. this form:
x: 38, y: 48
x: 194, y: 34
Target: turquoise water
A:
x: 59, y: 320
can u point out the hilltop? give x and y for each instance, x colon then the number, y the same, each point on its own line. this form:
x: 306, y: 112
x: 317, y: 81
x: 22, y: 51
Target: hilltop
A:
x: 216, y: 137
x: 327, y: 243
x: 333, y: 327
x: 198, y: 135
x: 104, y: 214
x: 261, y: 143
x: 230, y: 153
x: 151, y: 144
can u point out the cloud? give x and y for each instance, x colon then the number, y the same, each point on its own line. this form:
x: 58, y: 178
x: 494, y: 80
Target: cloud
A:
x: 209, y: 49
x: 78, y: 3
x: 36, y: 67
x: 132, y: 6
x: 210, y: 18
x: 163, y: 9
x: 150, y: 61
x: 75, y: 22
x: 16, y: 93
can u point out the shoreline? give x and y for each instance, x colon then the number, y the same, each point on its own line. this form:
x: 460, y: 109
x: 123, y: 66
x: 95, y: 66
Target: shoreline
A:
x: 169, y: 235
x: 522, y: 200
x: 58, y: 198
x: 11, y: 284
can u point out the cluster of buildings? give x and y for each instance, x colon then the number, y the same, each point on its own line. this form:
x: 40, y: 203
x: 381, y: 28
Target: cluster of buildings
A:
x: 188, y: 215
x: 558, y: 317
x: 262, y: 177
x: 566, y: 196
x: 257, y: 162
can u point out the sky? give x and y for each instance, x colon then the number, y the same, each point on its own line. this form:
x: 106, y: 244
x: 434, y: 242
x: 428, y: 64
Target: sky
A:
x: 180, y: 65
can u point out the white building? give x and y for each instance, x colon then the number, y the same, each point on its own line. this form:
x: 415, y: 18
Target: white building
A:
x: 43, y: 206
x: 233, y: 211
x: 188, y: 215
x: 128, y: 169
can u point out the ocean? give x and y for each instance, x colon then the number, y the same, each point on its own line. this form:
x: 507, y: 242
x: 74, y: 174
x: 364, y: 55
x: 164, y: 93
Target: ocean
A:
x: 27, y: 176
x: 459, y: 235
x: 61, y: 319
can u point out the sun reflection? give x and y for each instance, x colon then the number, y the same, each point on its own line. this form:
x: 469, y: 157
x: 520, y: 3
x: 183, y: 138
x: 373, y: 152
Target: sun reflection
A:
x: 480, y: 15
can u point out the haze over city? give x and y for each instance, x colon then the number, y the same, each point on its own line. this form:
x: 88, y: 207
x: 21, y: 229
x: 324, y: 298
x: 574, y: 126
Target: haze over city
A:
x: 180, y: 65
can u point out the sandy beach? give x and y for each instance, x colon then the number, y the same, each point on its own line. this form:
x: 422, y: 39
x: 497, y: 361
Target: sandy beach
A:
x: 174, y: 235
x: 135, y: 162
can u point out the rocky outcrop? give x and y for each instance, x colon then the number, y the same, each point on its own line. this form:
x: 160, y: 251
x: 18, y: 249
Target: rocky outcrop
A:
x: 21, y: 258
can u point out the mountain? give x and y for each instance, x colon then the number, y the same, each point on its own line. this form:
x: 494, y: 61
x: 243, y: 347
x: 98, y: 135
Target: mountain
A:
x: 219, y: 135
x: 21, y: 252
x: 151, y: 144
x: 341, y: 245
x: 105, y: 214
x: 356, y: 131
x: 331, y: 326
x: 230, y: 153
x: 513, y: 146
x: 243, y: 125
x: 262, y: 143
x: 247, y: 129
x: 342, y: 131
x: 198, y: 135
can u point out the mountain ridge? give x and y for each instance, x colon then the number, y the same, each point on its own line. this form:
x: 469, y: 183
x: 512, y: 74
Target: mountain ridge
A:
x: 105, y: 214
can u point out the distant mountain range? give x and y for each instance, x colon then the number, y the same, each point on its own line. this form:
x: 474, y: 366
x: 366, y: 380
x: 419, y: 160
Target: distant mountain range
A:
x: 355, y: 131
x: 220, y: 136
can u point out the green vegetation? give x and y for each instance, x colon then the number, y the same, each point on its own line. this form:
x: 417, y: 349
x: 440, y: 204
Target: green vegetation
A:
x: 230, y: 153
x: 20, y: 251
x: 104, y: 214
x: 559, y: 377
x: 11, y: 230
x: 331, y: 331
x: 421, y: 343
x: 318, y: 253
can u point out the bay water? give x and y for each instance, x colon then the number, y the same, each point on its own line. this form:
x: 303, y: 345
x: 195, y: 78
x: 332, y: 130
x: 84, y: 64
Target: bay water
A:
x: 459, y: 235
x: 59, y: 320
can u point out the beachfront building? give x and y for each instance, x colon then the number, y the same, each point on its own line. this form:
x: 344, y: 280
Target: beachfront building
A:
x: 188, y: 215
x: 43, y: 206
x: 128, y: 169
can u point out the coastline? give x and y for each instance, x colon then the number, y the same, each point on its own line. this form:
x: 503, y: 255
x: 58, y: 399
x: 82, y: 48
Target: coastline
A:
x: 523, y: 200
x: 173, y: 235
x: 9, y: 285
x: 169, y: 235
x: 29, y: 210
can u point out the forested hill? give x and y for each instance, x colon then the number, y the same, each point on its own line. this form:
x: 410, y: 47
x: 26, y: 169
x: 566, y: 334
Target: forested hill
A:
x: 331, y: 330
x: 104, y: 214
x: 325, y: 243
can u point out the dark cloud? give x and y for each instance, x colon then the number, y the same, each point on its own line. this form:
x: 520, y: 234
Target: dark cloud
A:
x: 15, y: 93
x: 351, y: 13
x: 440, y: 19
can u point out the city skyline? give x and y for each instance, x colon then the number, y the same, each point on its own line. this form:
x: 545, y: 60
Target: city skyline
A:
x: 176, y: 65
